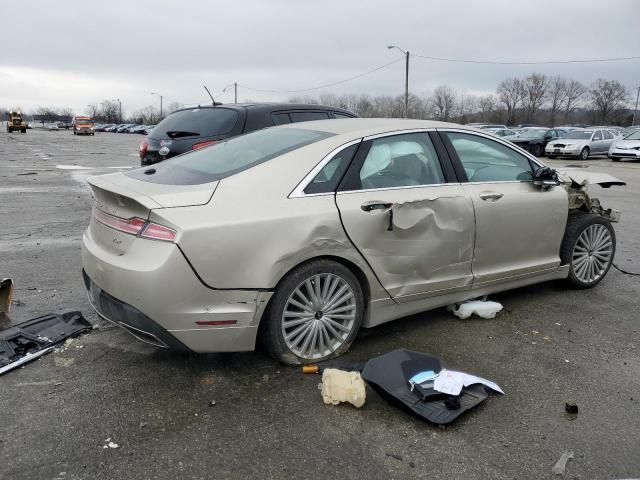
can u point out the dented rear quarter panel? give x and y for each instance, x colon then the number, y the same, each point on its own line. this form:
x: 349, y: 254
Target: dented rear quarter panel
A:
x: 250, y: 218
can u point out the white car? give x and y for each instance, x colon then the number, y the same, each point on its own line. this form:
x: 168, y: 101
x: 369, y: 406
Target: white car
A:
x: 53, y: 126
x: 626, y: 149
x: 580, y: 144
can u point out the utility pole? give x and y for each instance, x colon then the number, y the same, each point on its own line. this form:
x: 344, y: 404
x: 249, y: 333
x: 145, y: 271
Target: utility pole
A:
x: 119, y: 109
x: 235, y: 92
x: 406, y: 79
x: 635, y: 110
x: 154, y: 93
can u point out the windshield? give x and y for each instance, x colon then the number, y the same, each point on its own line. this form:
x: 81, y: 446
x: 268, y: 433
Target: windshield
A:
x: 580, y: 134
x: 633, y: 136
x: 229, y: 157
x: 83, y: 122
x: 202, y: 122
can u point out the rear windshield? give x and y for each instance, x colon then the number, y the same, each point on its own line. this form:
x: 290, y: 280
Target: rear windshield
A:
x: 228, y: 157
x: 200, y: 122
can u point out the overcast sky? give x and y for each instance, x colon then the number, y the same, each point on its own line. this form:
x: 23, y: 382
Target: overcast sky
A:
x: 57, y: 53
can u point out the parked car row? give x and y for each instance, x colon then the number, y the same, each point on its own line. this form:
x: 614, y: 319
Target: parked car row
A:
x: 570, y: 140
x: 124, y: 128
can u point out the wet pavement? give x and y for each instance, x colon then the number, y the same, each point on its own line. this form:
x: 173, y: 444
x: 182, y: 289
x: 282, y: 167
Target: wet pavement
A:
x: 547, y: 347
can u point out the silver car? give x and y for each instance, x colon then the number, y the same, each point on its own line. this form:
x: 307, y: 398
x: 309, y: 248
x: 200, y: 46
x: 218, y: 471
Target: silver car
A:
x: 626, y: 149
x: 301, y: 234
x: 580, y: 144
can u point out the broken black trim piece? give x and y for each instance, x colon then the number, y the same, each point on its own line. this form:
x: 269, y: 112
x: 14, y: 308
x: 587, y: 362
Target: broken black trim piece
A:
x: 29, y: 340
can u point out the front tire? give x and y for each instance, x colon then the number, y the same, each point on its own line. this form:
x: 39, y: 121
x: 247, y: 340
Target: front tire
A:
x: 584, y: 153
x: 588, y: 247
x: 314, y: 315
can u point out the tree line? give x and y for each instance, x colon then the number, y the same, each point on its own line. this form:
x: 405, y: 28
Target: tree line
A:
x: 536, y: 98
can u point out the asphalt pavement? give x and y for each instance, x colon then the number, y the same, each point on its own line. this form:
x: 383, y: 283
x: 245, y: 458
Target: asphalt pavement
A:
x: 548, y: 346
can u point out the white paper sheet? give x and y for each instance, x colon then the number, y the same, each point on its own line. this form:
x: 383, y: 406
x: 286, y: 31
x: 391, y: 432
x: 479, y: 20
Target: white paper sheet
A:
x: 451, y: 382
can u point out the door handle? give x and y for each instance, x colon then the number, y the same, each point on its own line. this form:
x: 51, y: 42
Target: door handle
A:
x: 376, y: 206
x: 491, y: 196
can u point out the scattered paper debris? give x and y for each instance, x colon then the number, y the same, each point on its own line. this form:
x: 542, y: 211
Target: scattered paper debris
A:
x: 451, y: 382
x: 561, y: 464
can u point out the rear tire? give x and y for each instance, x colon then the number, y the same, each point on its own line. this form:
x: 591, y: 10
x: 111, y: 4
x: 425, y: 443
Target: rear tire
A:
x: 588, y: 247
x: 584, y: 153
x: 296, y: 330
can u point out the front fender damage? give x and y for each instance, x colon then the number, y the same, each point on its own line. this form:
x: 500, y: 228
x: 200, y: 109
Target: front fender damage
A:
x: 576, y: 182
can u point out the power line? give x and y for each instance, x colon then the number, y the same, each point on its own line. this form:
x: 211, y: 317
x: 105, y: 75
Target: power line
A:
x: 548, y: 62
x: 325, y: 85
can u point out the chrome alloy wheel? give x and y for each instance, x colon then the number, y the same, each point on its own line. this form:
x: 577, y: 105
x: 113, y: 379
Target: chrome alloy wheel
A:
x: 592, y: 253
x: 319, y: 316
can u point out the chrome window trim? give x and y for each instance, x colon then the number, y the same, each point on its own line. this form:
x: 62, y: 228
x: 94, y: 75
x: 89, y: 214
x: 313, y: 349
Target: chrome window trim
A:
x: 298, y: 191
x: 506, y: 143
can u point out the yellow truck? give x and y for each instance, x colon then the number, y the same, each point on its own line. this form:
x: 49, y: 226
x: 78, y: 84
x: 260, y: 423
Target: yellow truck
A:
x: 15, y: 122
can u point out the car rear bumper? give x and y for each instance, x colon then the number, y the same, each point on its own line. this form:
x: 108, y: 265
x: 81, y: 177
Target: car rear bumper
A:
x: 160, y: 300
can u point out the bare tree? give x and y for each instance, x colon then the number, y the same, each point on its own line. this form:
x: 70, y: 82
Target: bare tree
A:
x: 47, y: 114
x: 557, y: 96
x: 534, y: 94
x: 444, y: 102
x: 65, y: 113
x: 172, y: 107
x: 109, y: 112
x: 607, y: 98
x: 92, y: 111
x: 510, y: 94
x: 487, y: 104
x: 575, y: 91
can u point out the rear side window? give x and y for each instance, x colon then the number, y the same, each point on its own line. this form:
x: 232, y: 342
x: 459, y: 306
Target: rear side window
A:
x: 607, y: 135
x: 197, y: 122
x: 308, y: 116
x: 328, y: 178
x: 229, y: 157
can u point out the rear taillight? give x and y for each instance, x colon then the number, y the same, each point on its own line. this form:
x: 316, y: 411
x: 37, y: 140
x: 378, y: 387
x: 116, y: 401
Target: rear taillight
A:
x: 158, y: 232
x: 196, y: 146
x: 143, y: 148
x: 136, y: 226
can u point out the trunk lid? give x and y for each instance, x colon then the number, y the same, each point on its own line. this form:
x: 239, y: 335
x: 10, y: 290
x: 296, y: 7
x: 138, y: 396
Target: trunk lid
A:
x: 126, y: 198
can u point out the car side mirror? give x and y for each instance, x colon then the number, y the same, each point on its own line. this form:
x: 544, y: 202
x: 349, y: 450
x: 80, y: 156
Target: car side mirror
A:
x: 545, y: 177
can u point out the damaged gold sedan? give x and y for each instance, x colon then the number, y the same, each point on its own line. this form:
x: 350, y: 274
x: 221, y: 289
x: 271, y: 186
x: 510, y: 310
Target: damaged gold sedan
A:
x: 300, y: 235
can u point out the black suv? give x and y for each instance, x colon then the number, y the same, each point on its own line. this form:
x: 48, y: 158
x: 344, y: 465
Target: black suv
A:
x: 192, y: 128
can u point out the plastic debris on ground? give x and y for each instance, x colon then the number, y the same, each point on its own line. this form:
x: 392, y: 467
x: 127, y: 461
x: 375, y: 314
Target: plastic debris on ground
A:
x: 29, y: 340
x: 481, y: 308
x: 561, y: 464
x: 340, y: 386
x: 413, y: 381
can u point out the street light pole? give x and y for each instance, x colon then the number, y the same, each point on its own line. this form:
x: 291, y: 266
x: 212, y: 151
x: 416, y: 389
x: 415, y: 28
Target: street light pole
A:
x: 235, y: 92
x: 406, y: 79
x: 119, y: 108
x: 633, y: 122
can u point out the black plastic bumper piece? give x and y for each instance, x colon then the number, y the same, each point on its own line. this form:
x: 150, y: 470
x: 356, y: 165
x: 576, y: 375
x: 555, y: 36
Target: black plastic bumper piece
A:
x: 29, y: 340
x: 130, y: 318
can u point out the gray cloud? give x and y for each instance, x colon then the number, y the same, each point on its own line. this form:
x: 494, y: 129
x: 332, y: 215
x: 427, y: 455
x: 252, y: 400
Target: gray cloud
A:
x: 74, y: 56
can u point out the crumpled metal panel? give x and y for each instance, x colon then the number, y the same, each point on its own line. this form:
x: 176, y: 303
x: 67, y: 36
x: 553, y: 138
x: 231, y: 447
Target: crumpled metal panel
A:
x: 429, y: 248
x: 580, y: 177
